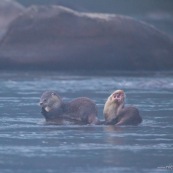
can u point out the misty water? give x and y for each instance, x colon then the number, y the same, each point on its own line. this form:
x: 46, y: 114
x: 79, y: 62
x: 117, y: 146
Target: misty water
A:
x: 28, y: 145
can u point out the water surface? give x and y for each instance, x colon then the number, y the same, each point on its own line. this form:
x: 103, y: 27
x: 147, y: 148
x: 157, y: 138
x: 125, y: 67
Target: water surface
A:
x: 28, y: 145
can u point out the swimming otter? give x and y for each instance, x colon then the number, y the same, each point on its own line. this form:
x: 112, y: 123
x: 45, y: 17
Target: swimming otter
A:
x: 79, y: 111
x: 116, y: 113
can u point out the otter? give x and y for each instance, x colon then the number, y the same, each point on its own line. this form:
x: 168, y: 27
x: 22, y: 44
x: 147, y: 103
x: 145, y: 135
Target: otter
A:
x: 81, y: 110
x: 116, y: 113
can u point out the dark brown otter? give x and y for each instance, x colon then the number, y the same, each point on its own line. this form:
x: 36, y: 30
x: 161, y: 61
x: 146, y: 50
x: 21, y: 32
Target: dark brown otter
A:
x: 81, y: 110
x: 116, y: 113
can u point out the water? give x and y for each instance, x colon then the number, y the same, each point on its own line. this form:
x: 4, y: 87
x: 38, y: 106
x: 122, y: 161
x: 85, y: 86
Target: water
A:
x: 28, y: 145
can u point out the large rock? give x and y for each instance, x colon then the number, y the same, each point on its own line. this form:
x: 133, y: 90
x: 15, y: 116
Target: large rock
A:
x: 55, y: 37
x: 9, y: 10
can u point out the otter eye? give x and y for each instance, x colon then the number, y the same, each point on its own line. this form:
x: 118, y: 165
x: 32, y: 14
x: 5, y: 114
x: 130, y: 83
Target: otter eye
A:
x: 118, y: 95
x: 53, y: 94
x: 44, y: 100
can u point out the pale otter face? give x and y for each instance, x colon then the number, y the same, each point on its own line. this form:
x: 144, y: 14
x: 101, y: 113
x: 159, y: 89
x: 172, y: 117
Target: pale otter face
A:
x: 118, y: 97
x: 49, y: 100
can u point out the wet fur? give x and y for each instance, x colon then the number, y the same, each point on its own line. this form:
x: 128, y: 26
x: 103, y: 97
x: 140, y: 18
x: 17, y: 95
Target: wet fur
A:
x: 116, y: 113
x: 79, y: 111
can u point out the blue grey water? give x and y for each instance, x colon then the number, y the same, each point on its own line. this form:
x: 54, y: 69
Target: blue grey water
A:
x: 28, y: 145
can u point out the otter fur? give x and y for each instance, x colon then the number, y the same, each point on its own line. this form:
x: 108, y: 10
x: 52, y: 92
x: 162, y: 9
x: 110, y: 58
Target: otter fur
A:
x: 81, y: 110
x: 116, y: 113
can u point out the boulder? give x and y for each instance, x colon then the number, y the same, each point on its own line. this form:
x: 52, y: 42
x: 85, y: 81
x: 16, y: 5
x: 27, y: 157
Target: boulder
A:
x: 9, y: 10
x: 58, y: 38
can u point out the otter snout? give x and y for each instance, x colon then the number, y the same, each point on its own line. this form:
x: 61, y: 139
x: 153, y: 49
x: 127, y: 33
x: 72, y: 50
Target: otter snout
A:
x: 41, y: 103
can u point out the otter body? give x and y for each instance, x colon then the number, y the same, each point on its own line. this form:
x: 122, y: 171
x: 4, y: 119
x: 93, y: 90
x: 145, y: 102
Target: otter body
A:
x: 116, y: 113
x: 79, y: 111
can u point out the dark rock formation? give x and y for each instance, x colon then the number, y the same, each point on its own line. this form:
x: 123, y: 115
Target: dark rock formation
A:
x: 9, y: 10
x: 56, y: 37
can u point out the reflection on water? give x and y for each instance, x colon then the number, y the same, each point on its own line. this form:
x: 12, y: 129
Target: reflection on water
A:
x: 27, y: 145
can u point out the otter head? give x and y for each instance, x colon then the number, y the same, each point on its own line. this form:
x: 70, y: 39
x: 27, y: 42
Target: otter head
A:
x: 113, y: 105
x: 50, y: 100
x: 118, y: 97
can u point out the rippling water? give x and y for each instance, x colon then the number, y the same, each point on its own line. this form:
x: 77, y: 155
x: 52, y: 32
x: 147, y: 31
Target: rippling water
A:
x: 27, y: 145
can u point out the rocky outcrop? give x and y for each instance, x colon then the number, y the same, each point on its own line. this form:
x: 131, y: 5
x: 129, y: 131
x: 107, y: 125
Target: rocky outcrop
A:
x: 56, y: 37
x: 9, y: 10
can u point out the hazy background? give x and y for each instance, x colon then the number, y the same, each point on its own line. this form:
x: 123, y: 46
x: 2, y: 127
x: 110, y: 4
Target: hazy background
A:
x: 28, y: 39
x: 157, y: 12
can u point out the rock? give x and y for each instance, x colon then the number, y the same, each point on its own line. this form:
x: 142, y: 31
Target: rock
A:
x: 9, y: 10
x: 55, y: 37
